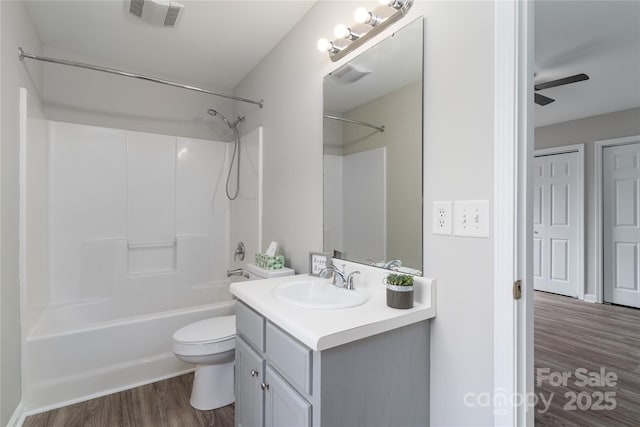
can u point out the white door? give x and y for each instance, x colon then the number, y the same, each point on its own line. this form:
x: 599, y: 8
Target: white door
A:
x: 556, y: 244
x: 621, y: 225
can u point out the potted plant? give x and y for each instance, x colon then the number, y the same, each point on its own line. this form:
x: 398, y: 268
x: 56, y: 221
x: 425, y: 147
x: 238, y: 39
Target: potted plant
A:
x: 399, y: 290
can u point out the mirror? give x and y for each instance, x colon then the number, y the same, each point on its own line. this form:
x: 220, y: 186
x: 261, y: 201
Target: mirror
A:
x: 373, y: 154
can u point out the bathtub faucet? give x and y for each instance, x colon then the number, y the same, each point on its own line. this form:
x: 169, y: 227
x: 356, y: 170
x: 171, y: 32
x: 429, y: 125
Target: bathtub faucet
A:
x: 236, y: 272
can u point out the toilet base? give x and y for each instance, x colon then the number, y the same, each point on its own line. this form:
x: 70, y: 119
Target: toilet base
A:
x: 212, y: 386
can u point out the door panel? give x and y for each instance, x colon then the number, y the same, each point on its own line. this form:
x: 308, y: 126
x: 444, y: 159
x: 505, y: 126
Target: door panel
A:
x: 284, y: 407
x: 621, y: 220
x: 556, y: 245
x: 249, y: 376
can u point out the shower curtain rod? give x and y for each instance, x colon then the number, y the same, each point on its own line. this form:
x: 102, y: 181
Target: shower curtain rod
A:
x: 355, y: 122
x: 22, y: 55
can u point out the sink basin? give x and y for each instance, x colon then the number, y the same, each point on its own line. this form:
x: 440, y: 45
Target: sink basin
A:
x: 318, y: 294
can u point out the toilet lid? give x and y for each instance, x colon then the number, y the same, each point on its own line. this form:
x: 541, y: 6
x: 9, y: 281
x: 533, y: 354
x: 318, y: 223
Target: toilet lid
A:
x: 205, y: 331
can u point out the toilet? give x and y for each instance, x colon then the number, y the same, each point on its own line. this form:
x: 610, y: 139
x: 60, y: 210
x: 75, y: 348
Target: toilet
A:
x: 210, y: 345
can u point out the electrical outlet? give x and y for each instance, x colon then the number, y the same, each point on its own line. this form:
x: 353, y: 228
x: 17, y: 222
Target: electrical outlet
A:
x: 471, y: 218
x: 442, y: 218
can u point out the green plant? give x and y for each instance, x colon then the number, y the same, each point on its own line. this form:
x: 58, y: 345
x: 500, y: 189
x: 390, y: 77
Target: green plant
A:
x: 400, y: 280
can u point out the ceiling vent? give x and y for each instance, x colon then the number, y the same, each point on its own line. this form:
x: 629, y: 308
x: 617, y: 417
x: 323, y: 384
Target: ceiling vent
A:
x: 350, y: 73
x: 160, y: 13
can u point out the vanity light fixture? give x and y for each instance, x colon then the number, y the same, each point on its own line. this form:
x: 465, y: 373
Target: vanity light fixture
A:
x: 396, y: 4
x: 348, y: 40
x: 328, y: 46
x: 344, y: 32
x: 363, y: 16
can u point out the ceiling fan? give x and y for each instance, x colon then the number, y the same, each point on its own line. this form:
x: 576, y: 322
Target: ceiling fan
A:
x: 545, y: 100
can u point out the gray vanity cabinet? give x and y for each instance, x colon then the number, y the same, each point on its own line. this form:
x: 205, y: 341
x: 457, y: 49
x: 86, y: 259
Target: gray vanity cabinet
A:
x: 263, y: 397
x: 381, y: 380
x: 283, y: 405
x: 249, y: 377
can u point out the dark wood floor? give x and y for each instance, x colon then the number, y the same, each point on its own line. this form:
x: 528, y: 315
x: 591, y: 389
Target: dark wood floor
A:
x: 161, y: 404
x: 571, y: 334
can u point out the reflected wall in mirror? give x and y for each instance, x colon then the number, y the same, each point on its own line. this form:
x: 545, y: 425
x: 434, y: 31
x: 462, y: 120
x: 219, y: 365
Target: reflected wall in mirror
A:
x: 373, y: 158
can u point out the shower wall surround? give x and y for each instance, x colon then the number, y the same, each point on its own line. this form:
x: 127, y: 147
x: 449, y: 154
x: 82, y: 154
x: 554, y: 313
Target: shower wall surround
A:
x: 124, y: 234
x: 136, y: 218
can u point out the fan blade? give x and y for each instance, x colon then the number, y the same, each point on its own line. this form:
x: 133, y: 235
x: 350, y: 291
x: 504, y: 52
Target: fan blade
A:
x: 560, y: 82
x: 542, y: 100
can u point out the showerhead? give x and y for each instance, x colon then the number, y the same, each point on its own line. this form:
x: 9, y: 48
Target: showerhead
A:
x: 213, y: 112
x: 233, y: 125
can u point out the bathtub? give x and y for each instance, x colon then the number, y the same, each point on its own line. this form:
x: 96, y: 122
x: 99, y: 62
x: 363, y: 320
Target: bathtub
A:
x: 78, y: 352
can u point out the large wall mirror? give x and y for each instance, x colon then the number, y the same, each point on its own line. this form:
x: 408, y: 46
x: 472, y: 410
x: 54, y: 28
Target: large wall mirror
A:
x: 373, y: 154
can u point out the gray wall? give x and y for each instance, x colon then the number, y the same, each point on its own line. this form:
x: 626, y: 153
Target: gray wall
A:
x: 458, y: 152
x: 16, y: 30
x: 400, y: 111
x: 587, y: 131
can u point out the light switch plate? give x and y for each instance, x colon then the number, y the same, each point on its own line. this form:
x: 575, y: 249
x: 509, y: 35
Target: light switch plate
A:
x: 442, y: 218
x: 471, y: 218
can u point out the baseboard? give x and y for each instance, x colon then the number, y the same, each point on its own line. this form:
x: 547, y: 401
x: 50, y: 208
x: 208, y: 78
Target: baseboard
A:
x: 17, y: 419
x: 102, y: 382
x: 590, y: 298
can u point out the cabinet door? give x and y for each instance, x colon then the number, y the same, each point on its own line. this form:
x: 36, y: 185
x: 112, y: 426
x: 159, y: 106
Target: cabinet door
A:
x: 284, y: 407
x: 249, y: 377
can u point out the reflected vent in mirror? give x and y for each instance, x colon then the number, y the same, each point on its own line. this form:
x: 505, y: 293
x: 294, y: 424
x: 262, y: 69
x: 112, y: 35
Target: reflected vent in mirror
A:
x: 350, y: 73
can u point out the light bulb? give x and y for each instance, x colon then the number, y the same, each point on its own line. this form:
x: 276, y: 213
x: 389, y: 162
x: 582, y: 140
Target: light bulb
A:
x: 361, y: 15
x: 324, y: 45
x: 341, y: 31
x: 385, y: 2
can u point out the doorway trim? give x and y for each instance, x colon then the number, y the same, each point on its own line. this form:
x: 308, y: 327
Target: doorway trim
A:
x: 599, y: 147
x: 575, y: 148
x: 513, y: 184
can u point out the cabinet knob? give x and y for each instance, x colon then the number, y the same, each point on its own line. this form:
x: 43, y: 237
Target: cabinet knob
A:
x: 264, y: 386
x: 254, y: 373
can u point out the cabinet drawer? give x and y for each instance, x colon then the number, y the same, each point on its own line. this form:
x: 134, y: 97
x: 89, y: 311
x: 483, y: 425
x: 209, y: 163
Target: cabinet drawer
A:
x: 250, y: 325
x: 292, y: 358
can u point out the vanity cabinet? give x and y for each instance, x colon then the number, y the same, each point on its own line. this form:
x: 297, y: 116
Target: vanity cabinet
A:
x: 283, y: 405
x: 249, y: 377
x: 380, y: 380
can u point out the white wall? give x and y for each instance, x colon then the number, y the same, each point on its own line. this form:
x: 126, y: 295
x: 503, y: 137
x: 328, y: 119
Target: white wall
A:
x: 245, y: 210
x: 90, y: 97
x: 458, y: 152
x: 333, y: 220
x: 586, y: 131
x: 16, y: 30
x: 134, y: 215
x: 364, y: 201
x: 34, y: 209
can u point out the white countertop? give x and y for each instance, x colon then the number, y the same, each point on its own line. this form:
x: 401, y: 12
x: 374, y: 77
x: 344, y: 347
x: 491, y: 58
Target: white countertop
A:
x: 321, y: 329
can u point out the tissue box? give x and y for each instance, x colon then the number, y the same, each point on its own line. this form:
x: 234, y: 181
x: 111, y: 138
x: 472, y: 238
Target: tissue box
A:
x: 269, y: 262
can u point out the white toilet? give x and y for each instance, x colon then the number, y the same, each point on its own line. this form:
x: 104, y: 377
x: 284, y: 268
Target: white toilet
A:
x: 210, y: 345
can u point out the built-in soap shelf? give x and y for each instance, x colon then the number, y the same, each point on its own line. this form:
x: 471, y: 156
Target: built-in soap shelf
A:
x: 152, y: 257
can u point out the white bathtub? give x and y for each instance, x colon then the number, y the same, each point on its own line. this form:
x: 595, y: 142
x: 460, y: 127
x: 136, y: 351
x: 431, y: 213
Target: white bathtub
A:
x: 74, y: 354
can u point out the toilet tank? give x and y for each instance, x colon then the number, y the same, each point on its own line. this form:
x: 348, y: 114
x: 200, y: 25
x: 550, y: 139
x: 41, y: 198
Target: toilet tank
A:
x: 255, y: 273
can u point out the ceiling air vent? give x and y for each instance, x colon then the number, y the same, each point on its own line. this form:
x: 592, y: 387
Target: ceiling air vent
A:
x: 136, y: 7
x: 350, y: 73
x: 160, y: 13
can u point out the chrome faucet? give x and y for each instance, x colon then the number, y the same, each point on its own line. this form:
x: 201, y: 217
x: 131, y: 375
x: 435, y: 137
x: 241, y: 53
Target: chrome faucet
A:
x: 393, y: 264
x: 350, y: 278
x: 236, y: 272
x: 338, y: 276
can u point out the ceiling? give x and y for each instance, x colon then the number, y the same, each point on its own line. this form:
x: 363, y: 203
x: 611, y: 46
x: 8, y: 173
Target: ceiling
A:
x: 599, y: 38
x: 215, y: 43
